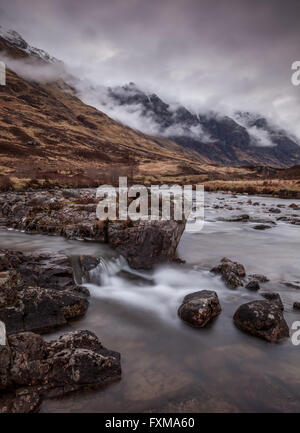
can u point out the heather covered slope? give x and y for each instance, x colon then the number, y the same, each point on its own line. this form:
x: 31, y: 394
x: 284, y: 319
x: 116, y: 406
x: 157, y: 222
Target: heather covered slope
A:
x: 49, y: 137
x: 47, y: 131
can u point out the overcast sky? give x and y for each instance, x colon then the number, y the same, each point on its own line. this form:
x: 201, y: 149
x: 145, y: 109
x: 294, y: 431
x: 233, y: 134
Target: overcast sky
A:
x: 208, y: 54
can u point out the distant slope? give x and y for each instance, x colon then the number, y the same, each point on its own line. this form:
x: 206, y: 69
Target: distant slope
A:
x: 49, y: 137
x: 44, y: 127
x: 245, y: 140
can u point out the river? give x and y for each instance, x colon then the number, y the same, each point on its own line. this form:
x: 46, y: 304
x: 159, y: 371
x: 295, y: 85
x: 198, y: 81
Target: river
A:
x: 168, y: 366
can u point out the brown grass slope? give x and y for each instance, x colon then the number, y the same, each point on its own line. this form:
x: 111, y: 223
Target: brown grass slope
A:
x: 50, y: 137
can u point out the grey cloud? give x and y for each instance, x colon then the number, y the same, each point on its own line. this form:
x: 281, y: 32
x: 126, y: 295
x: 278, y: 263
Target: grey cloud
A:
x: 210, y: 54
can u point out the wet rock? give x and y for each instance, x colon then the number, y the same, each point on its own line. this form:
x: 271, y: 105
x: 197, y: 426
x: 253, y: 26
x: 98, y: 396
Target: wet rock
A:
x: 83, y: 265
x: 290, y: 220
x: 259, y: 277
x: 88, y: 263
x: 273, y: 297
x: 293, y: 285
x: 41, y: 310
x: 37, y: 292
x: 236, y: 218
x: 232, y: 272
x: 253, y: 285
x: 145, y: 243
x: 38, y: 368
x: 263, y: 319
x: 294, y: 206
x: 22, y: 400
x: 262, y: 220
x: 10, y: 281
x: 51, y: 271
x: 199, y: 308
x: 296, y: 305
x: 261, y: 227
x: 274, y: 210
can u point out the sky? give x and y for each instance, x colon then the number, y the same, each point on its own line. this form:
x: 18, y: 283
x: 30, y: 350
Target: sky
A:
x: 223, y: 55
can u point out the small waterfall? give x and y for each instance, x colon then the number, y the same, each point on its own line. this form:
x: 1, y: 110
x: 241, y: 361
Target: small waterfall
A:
x: 106, y: 269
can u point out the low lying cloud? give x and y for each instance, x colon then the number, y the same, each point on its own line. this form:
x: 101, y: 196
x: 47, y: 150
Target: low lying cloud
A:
x: 35, y: 70
x: 206, y: 55
x: 134, y: 114
x: 260, y: 137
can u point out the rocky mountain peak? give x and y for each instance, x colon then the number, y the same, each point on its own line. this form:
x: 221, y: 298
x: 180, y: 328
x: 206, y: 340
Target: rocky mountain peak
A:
x: 16, y: 40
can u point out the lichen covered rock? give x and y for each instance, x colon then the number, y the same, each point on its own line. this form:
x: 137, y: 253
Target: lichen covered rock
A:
x: 263, y: 319
x: 199, y: 308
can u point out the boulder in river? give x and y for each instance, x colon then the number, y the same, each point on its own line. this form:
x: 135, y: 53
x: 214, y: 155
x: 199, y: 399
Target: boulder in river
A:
x: 294, y: 206
x: 36, y: 368
x: 146, y: 243
x: 274, y: 210
x: 262, y: 227
x: 263, y: 319
x: 199, y: 308
x: 232, y: 272
x: 253, y: 285
x: 296, y: 305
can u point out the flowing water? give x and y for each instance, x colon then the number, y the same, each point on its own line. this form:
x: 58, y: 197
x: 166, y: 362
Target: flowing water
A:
x: 166, y: 365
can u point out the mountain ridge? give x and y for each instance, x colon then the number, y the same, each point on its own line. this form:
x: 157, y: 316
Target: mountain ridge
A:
x: 50, y: 138
x: 221, y: 139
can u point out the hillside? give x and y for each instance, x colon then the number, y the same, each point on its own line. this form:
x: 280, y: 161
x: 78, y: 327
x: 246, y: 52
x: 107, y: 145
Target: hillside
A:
x: 47, y: 131
x: 246, y: 139
x: 49, y: 137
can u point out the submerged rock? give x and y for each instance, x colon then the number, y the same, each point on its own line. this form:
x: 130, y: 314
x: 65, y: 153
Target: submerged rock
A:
x: 235, y: 218
x: 296, y: 305
x: 232, y: 272
x: 200, y: 308
x: 293, y: 285
x: 263, y: 319
x: 262, y: 227
x: 37, y: 368
x: 253, y: 285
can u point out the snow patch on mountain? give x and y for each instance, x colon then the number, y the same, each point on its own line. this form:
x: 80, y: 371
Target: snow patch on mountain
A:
x: 15, y: 39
